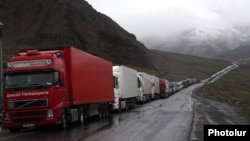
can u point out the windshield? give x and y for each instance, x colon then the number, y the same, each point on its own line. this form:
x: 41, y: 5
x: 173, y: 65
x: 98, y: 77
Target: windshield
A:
x: 29, y: 80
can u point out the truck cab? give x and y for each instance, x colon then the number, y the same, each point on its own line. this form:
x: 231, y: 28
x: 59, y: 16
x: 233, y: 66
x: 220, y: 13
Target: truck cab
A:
x: 34, y: 89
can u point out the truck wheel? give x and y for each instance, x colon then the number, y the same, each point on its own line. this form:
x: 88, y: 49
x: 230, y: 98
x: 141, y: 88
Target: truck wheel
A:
x: 110, y: 110
x: 64, y: 121
x: 106, y: 111
x: 133, y: 103
x: 126, y: 105
x: 81, y: 117
x: 14, y: 130
x: 120, y: 107
x: 100, y: 111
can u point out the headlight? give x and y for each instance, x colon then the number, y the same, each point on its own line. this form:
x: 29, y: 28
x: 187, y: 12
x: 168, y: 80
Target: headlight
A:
x: 6, y: 117
x: 50, y: 114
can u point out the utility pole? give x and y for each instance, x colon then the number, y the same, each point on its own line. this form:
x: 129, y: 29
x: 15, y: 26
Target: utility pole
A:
x: 1, y: 67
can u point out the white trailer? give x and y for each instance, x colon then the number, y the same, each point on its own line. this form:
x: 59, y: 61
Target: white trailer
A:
x: 144, y: 87
x: 179, y: 86
x: 155, y: 87
x: 167, y: 83
x: 125, y: 87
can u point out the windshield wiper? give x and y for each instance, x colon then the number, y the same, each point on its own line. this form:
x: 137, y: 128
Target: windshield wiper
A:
x: 30, y: 86
x: 14, y: 86
x: 36, y: 85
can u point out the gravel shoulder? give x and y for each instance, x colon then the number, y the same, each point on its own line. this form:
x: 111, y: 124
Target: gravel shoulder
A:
x: 213, y: 113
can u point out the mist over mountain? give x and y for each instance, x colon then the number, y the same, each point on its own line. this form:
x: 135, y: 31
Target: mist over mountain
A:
x: 204, y: 28
x: 204, y: 42
x: 37, y: 24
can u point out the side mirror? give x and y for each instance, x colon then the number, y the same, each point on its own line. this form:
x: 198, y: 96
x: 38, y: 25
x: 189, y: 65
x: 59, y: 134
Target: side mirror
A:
x: 59, y: 78
x: 61, y: 83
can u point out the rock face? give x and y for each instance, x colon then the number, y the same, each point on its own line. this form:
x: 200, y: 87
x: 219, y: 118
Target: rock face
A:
x: 46, y: 23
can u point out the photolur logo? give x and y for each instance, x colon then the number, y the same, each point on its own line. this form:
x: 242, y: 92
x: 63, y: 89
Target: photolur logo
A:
x: 20, y: 94
x: 227, y: 132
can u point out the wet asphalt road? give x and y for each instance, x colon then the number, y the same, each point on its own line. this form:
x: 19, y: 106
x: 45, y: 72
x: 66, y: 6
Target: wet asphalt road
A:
x: 179, y: 117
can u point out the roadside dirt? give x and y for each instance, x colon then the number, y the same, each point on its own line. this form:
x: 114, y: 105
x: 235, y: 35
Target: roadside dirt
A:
x: 213, y: 113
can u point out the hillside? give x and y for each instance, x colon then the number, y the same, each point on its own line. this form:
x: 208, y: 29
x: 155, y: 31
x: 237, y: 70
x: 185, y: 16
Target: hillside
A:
x: 178, y: 66
x: 233, y: 90
x: 43, y: 24
x: 242, y: 52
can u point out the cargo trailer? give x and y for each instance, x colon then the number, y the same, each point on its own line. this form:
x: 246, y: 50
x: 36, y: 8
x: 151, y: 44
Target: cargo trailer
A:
x: 55, y: 87
x: 125, y: 87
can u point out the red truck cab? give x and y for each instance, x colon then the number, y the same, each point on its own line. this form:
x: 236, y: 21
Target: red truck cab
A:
x: 34, y: 89
x: 55, y: 87
x: 163, y: 83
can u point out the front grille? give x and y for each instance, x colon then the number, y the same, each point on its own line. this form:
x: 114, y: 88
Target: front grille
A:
x: 28, y: 113
x: 27, y: 116
x: 28, y: 103
x: 28, y: 120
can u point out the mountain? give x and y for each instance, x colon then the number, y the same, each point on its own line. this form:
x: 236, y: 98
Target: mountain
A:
x: 46, y: 23
x: 204, y: 42
x: 242, y: 52
x: 55, y: 23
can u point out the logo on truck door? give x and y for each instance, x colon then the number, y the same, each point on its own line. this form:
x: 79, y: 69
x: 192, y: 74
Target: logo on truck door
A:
x: 11, y: 105
x: 20, y: 94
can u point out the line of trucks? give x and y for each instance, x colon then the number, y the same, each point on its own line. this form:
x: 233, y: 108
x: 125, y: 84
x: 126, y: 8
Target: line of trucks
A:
x: 55, y: 87
x: 219, y: 73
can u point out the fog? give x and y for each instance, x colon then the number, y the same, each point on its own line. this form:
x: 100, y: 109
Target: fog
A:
x: 165, y: 17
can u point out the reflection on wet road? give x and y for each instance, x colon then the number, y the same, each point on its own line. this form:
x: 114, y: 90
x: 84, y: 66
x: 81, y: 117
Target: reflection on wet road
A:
x: 164, y: 119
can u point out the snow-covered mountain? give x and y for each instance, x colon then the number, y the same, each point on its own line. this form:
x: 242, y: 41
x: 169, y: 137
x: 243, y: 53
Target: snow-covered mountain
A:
x: 205, y: 42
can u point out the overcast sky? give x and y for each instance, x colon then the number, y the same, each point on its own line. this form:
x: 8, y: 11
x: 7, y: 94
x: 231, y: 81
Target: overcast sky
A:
x: 165, y: 17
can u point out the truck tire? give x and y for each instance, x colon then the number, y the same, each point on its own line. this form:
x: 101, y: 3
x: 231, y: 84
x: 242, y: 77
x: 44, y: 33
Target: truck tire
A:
x: 106, y: 110
x: 126, y: 105
x: 64, y: 121
x: 110, y: 110
x: 100, y: 111
x: 81, y: 116
x: 14, y: 130
x: 133, y: 103
x: 120, y: 107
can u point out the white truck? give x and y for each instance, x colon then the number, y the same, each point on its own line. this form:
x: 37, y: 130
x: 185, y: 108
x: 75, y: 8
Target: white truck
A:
x: 164, y: 88
x: 144, y: 87
x: 125, y: 87
x: 155, y: 87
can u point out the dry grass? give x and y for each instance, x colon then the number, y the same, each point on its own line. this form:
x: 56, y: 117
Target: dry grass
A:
x: 233, y: 89
x: 178, y: 66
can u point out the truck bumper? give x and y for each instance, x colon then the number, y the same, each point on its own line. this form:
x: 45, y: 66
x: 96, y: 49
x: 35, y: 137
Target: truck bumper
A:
x: 116, y: 103
x: 115, y: 106
x: 140, y: 98
x: 32, y: 118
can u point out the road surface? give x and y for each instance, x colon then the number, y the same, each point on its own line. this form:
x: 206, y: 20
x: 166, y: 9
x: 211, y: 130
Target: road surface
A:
x: 179, y: 117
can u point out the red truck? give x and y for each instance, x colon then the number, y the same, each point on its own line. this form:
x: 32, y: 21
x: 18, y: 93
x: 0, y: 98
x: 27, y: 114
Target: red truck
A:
x: 55, y: 87
x: 164, y: 88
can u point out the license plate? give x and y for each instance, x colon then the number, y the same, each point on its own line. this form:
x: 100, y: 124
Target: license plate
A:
x: 28, y: 125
